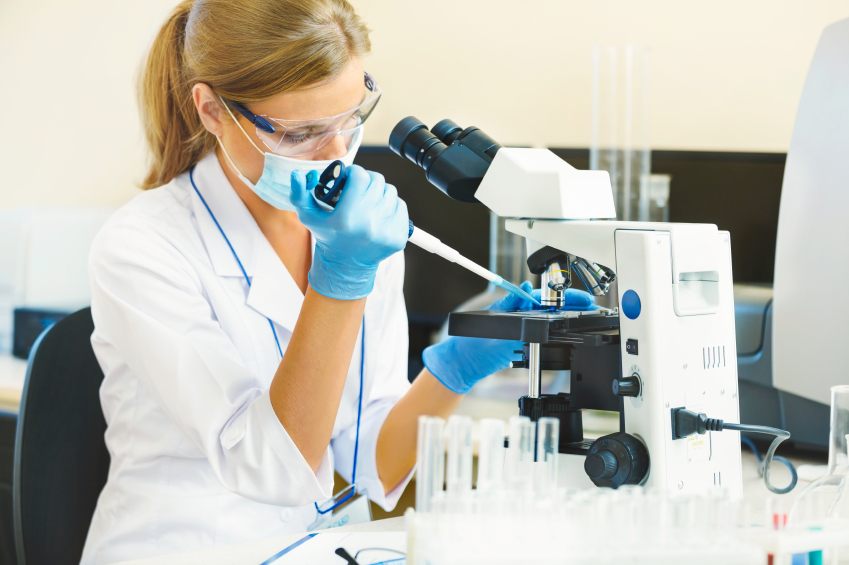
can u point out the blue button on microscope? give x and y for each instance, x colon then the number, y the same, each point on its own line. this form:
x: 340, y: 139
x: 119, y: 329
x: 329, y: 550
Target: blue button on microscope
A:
x: 631, y: 305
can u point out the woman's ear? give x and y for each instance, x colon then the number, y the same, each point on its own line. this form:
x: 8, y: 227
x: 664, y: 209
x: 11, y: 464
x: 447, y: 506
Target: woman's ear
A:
x: 209, y: 108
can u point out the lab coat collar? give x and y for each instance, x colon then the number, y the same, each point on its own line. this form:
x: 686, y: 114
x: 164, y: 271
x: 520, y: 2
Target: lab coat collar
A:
x: 273, y: 292
x: 232, y: 215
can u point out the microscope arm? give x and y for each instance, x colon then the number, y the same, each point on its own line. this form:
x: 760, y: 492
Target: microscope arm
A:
x: 695, y: 253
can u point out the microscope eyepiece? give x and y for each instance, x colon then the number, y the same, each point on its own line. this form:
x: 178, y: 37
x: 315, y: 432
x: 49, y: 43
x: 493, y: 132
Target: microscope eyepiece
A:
x: 411, y: 139
x: 454, y: 159
x: 447, y: 131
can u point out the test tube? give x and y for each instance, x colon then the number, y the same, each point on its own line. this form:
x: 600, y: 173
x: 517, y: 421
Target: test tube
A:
x: 548, y: 441
x: 520, y: 454
x: 491, y: 455
x: 431, y: 461
x: 459, y: 463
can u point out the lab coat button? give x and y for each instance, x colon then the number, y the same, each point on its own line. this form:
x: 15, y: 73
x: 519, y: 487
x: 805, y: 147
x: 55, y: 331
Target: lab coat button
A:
x: 230, y: 437
x: 286, y: 514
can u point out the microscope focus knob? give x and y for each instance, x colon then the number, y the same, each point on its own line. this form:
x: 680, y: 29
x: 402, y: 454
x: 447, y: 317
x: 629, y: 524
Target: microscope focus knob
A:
x: 629, y: 386
x: 601, y: 465
x: 617, y: 459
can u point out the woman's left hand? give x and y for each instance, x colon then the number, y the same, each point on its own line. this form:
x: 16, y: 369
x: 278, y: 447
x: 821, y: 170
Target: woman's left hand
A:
x: 369, y: 224
x: 460, y: 362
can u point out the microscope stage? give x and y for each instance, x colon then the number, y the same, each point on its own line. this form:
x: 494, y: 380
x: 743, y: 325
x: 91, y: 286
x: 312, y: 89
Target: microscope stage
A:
x: 595, y: 327
x: 559, y: 314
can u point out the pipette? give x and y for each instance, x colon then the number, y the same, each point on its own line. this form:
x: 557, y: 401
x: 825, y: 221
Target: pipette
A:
x: 430, y: 243
x: 329, y: 189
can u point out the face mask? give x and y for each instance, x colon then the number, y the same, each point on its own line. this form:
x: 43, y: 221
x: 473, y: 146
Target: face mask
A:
x: 274, y: 185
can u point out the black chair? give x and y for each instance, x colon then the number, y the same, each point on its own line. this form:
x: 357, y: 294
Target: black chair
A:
x: 61, y: 461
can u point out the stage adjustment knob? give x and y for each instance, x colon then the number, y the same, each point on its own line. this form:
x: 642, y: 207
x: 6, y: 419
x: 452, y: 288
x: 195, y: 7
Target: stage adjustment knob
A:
x: 601, y: 465
x: 629, y: 386
x: 617, y: 459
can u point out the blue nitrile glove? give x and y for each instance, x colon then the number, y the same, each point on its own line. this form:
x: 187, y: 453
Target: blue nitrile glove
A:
x: 369, y: 224
x: 460, y: 362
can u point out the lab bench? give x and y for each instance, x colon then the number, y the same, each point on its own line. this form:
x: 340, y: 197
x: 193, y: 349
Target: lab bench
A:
x: 257, y: 552
x: 492, y: 398
x: 12, y: 374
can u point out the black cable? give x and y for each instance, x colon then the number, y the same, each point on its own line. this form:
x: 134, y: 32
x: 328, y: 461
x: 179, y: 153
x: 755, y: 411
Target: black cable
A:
x: 783, y: 460
x: 686, y: 422
x: 346, y: 556
x: 780, y: 435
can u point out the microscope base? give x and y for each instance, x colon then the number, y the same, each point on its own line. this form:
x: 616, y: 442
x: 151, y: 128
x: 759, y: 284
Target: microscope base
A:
x: 571, y: 474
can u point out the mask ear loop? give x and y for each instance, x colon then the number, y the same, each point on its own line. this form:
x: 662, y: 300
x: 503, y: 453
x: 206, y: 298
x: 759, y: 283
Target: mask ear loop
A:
x: 232, y: 164
x: 242, y: 177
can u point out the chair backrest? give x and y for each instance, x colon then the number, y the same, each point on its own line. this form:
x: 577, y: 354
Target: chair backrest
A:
x: 61, y: 461
x: 809, y: 332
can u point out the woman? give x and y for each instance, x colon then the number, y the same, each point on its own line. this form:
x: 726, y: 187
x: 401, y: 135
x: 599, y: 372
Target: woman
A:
x: 252, y: 340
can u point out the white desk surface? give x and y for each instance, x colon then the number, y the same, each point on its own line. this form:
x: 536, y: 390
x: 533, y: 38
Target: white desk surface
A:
x: 499, y: 402
x: 12, y: 373
x: 255, y: 553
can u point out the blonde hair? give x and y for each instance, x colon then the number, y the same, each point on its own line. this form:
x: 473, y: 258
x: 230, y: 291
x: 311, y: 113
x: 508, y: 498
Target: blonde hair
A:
x: 245, y: 50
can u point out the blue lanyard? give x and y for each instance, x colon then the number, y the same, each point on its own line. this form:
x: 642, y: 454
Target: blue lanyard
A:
x: 280, y: 351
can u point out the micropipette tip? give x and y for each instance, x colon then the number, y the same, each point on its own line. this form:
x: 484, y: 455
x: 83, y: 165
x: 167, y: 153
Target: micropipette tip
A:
x: 510, y: 287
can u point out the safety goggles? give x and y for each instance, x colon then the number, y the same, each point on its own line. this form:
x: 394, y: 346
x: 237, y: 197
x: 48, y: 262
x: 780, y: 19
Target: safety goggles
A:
x: 294, y: 138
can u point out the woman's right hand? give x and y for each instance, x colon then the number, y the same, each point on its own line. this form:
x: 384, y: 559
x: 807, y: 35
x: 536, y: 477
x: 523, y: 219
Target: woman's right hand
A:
x: 369, y: 224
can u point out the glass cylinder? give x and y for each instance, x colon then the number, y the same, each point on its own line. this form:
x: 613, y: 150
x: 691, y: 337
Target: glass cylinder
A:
x: 491, y: 455
x: 458, y: 468
x: 548, y: 443
x: 430, y: 470
x: 826, y: 498
x: 838, y: 457
x: 519, y: 463
x: 658, y: 197
x: 620, y: 133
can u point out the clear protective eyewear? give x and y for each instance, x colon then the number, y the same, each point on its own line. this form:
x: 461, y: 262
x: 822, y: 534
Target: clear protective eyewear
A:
x: 295, y: 138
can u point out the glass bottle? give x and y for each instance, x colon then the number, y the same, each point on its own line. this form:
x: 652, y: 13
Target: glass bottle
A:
x: 826, y: 498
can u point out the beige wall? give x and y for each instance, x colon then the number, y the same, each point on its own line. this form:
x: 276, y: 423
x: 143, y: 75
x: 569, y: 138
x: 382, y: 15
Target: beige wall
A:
x: 726, y: 75
x: 69, y: 130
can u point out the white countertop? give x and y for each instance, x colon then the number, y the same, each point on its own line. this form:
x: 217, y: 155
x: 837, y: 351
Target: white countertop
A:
x: 12, y: 374
x: 497, y: 399
x: 256, y: 552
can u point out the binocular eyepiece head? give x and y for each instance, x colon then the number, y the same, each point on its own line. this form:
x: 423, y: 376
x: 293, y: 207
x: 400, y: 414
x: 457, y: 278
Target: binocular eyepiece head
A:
x: 413, y: 140
x: 454, y: 159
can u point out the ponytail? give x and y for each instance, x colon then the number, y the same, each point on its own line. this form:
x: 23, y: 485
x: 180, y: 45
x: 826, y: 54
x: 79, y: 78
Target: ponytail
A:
x: 175, y: 135
x: 245, y: 50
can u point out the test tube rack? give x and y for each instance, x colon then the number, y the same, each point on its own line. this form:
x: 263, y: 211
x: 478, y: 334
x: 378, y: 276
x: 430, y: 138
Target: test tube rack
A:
x: 517, y: 513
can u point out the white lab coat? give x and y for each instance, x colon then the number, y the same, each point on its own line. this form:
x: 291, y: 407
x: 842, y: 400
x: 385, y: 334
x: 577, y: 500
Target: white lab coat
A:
x: 199, y: 459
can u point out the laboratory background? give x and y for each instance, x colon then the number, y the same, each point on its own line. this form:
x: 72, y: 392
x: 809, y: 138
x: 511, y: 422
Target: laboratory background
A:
x: 696, y: 111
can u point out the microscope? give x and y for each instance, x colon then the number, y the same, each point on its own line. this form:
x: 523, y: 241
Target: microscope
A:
x: 669, y: 347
